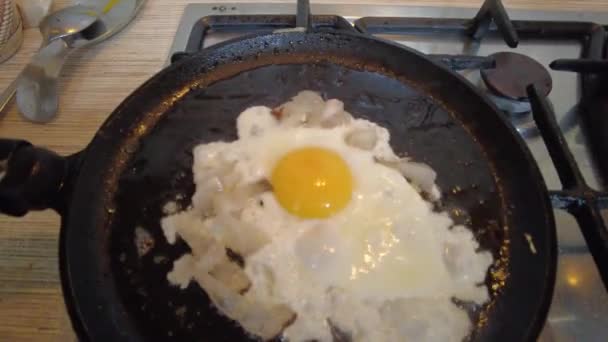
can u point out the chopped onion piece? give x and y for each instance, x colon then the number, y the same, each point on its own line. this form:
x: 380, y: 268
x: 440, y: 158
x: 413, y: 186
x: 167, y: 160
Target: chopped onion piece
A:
x: 219, y: 169
x: 334, y: 115
x: 308, y: 108
x: 304, y: 108
x: 214, y: 256
x: 188, y: 226
x: 262, y: 319
x: 253, y: 120
x: 231, y: 275
x: 203, y: 197
x: 240, y: 237
x: 332, y: 107
x: 182, y: 271
x: 363, y: 138
x: 339, y: 119
x: 233, y: 201
x: 189, y: 266
x: 422, y: 175
x: 170, y: 208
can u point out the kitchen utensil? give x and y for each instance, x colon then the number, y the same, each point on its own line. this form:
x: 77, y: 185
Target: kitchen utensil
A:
x: 7, y: 94
x: 142, y: 157
x: 115, y: 15
x: 37, y: 89
x: 61, y: 24
x: 64, y: 32
x: 68, y: 22
x: 11, y: 29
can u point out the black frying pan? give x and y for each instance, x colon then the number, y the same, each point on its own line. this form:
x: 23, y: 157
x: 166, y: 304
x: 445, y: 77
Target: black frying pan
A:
x: 141, y: 157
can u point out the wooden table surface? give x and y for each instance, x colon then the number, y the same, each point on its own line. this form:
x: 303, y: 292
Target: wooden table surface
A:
x: 93, y: 83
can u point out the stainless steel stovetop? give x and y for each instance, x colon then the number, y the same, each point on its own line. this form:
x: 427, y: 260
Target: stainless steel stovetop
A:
x: 579, y: 311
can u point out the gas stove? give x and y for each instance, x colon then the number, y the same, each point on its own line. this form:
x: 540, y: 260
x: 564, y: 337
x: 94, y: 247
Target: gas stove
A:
x: 501, y: 52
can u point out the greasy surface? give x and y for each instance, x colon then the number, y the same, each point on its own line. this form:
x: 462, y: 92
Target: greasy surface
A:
x: 95, y: 81
x: 419, y: 128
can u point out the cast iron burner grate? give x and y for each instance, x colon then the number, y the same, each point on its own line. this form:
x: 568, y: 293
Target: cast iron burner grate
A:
x: 576, y: 196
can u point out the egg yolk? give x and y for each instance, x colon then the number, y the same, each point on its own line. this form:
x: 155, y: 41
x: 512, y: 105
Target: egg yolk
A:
x: 312, y: 182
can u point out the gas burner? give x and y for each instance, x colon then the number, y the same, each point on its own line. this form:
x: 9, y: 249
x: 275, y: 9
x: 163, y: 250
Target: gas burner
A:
x: 506, y: 86
x: 513, y: 73
x: 507, y: 81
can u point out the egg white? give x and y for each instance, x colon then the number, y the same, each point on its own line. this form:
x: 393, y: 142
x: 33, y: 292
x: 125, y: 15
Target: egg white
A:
x: 387, y: 253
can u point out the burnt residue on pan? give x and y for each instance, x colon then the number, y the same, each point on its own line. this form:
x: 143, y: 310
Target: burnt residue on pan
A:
x: 159, y: 171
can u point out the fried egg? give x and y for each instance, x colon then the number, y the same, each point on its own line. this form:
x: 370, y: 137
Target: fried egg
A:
x: 349, y: 245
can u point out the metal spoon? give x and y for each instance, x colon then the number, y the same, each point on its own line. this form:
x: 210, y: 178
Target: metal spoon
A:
x: 37, y: 89
x: 37, y: 86
x: 54, y: 27
x: 116, y: 14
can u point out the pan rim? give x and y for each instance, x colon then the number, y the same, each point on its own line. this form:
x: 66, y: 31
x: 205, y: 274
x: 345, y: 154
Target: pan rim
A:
x: 94, y: 172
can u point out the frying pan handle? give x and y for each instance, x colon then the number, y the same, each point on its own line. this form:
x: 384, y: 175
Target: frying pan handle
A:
x: 32, y: 178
